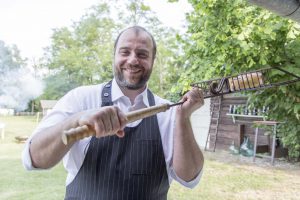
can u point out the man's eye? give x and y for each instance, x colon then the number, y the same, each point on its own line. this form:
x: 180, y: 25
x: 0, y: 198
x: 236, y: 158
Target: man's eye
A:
x: 124, y: 53
x: 142, y: 55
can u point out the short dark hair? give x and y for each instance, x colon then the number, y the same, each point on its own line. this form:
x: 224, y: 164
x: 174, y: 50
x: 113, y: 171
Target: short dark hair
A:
x: 137, y: 29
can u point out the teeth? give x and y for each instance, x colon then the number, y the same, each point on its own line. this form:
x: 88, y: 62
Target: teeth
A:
x: 131, y: 70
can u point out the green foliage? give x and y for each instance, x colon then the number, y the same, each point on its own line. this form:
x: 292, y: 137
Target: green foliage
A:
x: 84, y: 53
x: 137, y: 12
x: 165, y: 70
x: 57, y: 86
x: 229, y: 37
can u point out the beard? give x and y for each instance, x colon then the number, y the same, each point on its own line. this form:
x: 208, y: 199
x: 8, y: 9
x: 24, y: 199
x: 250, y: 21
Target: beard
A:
x: 122, y: 82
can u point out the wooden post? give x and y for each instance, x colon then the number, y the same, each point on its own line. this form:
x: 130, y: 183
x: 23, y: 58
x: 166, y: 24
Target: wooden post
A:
x: 241, y: 131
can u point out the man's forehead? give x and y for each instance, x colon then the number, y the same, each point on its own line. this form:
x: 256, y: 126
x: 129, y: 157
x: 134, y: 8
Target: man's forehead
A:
x: 132, y: 35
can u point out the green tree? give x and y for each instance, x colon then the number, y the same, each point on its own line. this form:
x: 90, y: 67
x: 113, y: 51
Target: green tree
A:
x: 229, y: 37
x: 57, y: 86
x: 136, y: 12
x: 81, y: 54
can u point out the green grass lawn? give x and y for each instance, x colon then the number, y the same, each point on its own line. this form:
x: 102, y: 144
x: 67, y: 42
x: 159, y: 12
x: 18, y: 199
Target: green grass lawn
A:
x: 220, y: 180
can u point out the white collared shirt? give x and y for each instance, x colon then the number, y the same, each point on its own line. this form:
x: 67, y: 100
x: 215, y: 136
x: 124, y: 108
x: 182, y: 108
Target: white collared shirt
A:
x: 89, y: 97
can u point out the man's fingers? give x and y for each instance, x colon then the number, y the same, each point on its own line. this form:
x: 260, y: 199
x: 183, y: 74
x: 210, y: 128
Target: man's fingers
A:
x: 99, y: 127
x: 122, y: 118
x: 105, y: 121
x: 120, y: 133
x: 114, y: 119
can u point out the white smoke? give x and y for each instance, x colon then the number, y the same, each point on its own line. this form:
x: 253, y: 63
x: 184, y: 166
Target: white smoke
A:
x: 17, y: 88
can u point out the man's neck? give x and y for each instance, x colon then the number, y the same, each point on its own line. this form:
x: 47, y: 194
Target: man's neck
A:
x: 132, y: 94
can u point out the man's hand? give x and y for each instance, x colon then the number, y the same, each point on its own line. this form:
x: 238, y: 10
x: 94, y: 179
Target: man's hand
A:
x: 193, y: 100
x: 105, y: 121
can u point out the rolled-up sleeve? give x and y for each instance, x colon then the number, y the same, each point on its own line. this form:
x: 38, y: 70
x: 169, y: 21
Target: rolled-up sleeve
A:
x: 26, y: 158
x: 191, y: 184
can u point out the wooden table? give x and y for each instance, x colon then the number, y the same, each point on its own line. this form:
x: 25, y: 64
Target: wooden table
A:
x: 267, y: 123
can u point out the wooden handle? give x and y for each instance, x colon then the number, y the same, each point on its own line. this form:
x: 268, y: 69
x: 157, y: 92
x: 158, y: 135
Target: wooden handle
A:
x: 81, y: 132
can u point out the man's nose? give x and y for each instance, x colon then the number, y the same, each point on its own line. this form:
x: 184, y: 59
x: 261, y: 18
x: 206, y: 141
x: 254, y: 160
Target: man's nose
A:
x: 133, y: 59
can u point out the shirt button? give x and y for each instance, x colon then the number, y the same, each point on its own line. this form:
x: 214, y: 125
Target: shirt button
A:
x: 106, y: 94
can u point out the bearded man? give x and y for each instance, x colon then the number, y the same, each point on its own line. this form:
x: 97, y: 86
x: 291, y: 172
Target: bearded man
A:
x: 122, y: 161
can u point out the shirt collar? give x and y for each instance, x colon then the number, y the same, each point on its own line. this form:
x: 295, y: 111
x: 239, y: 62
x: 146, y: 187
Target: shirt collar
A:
x: 118, y: 94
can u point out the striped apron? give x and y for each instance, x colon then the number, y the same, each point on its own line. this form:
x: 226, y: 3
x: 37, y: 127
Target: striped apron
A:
x: 128, y: 168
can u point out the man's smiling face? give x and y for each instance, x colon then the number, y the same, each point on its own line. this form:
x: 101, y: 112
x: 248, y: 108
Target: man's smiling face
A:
x: 133, y: 59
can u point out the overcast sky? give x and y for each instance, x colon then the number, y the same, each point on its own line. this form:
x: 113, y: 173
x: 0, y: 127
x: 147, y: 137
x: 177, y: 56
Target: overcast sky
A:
x: 29, y: 23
